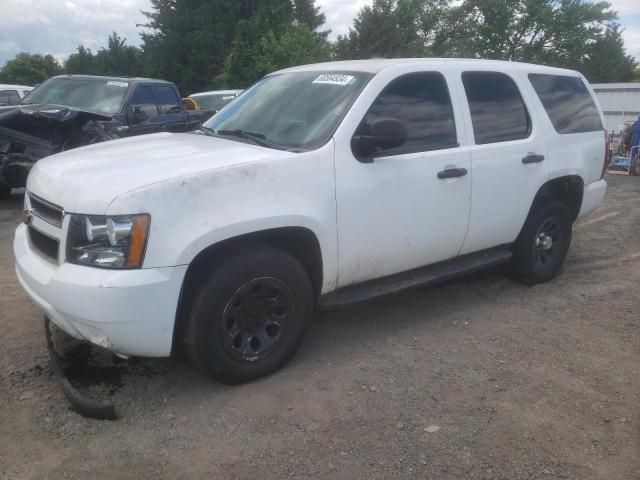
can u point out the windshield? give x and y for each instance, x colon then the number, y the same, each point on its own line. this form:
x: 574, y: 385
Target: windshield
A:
x: 294, y: 111
x: 214, y: 101
x: 96, y: 95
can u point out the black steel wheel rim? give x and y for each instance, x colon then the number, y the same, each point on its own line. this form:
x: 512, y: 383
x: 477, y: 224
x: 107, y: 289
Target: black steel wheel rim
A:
x: 546, y: 244
x: 257, y: 318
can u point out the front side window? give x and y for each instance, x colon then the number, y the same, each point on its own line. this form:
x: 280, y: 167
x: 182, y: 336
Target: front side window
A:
x: 567, y: 102
x: 498, y: 112
x: 422, y: 103
x: 143, y: 103
x: 293, y: 111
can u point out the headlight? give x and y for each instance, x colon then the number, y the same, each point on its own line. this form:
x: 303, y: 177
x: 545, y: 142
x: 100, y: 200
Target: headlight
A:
x: 109, y: 242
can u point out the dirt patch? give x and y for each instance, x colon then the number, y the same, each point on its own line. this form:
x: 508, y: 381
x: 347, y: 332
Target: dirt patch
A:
x: 482, y: 378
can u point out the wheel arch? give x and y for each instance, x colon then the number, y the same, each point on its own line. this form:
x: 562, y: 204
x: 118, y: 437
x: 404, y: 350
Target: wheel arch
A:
x: 568, y: 189
x: 300, y: 242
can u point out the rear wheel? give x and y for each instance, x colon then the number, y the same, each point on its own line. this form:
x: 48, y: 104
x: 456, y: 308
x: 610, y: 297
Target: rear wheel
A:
x: 5, y: 188
x: 249, y: 317
x: 541, y: 247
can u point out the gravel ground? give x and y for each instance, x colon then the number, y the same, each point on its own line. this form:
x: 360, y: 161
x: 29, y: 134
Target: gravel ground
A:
x: 482, y: 378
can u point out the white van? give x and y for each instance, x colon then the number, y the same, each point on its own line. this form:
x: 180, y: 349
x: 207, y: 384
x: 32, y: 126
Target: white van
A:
x: 321, y: 186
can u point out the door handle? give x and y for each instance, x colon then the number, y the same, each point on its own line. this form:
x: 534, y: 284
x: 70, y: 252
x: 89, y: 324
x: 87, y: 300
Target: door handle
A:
x: 452, y: 173
x: 532, y: 158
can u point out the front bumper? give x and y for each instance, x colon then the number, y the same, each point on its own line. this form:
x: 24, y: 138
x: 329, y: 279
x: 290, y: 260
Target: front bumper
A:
x: 131, y: 312
x: 592, y: 196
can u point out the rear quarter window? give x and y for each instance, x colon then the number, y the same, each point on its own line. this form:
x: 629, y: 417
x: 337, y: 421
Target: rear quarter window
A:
x: 568, y: 103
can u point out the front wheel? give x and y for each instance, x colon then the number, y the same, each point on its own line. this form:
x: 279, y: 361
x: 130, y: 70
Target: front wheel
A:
x: 541, y: 247
x: 249, y: 317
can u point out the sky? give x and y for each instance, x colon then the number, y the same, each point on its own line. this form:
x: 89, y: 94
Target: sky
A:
x: 59, y: 26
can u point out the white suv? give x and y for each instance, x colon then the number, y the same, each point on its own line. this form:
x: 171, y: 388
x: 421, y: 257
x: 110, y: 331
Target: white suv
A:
x: 320, y: 186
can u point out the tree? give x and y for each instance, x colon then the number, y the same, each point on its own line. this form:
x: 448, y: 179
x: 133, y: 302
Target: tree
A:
x: 306, y: 12
x: 392, y: 28
x: 29, y: 69
x: 190, y: 39
x: 554, y: 32
x: 636, y: 74
x: 117, y: 58
x: 81, y: 62
x: 606, y: 59
x: 270, y: 40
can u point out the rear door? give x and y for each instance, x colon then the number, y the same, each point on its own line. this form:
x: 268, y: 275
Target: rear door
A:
x: 508, y: 152
x: 172, y: 115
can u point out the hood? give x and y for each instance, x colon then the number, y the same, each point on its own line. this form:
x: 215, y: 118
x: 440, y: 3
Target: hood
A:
x: 88, y: 179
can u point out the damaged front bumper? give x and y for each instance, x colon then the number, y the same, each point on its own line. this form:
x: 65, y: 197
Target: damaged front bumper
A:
x: 130, y: 312
x: 83, y: 405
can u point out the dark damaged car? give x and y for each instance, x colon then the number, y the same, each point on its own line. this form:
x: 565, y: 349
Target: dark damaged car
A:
x: 70, y: 111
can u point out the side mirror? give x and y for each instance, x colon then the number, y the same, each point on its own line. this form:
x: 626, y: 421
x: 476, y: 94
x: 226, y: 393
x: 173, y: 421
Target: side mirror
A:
x: 137, y: 114
x: 383, y: 134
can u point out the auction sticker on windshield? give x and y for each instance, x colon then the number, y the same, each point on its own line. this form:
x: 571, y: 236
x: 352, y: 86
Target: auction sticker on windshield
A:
x: 334, y: 79
x: 113, y: 83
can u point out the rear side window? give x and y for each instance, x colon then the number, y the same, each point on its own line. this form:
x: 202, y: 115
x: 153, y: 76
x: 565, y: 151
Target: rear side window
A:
x: 568, y: 103
x: 421, y: 101
x: 168, y: 100
x: 498, y: 112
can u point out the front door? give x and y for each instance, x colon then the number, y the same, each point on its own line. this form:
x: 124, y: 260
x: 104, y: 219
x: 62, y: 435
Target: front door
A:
x: 409, y: 207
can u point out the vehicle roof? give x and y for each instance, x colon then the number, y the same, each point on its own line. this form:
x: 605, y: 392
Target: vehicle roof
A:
x: 21, y: 87
x: 216, y: 92
x: 131, y: 80
x: 377, y: 65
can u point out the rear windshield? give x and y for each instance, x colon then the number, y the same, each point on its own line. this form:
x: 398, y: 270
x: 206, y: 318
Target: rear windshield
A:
x: 567, y: 102
x: 214, y: 101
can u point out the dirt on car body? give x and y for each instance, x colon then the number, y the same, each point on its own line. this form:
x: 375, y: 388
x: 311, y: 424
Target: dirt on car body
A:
x: 476, y: 379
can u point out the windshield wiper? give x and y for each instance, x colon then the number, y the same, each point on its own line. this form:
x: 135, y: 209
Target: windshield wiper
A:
x: 255, y: 138
x: 207, y: 131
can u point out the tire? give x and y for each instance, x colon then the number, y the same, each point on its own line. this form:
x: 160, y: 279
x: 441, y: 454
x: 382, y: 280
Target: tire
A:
x: 249, y: 316
x: 543, y: 243
x: 5, y: 189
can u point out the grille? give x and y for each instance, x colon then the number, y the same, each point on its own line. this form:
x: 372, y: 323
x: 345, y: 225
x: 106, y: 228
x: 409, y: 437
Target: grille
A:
x: 46, y: 246
x: 47, y: 211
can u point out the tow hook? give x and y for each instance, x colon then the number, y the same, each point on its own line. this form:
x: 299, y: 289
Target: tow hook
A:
x: 81, y: 404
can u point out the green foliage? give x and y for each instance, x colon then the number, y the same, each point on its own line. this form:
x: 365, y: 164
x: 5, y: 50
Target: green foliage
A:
x: 577, y: 34
x: 274, y: 50
x: 118, y: 59
x: 189, y: 39
x: 270, y: 40
x: 392, y: 29
x: 555, y: 32
x: 305, y: 12
x: 204, y: 44
x: 29, y: 69
x: 606, y: 59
